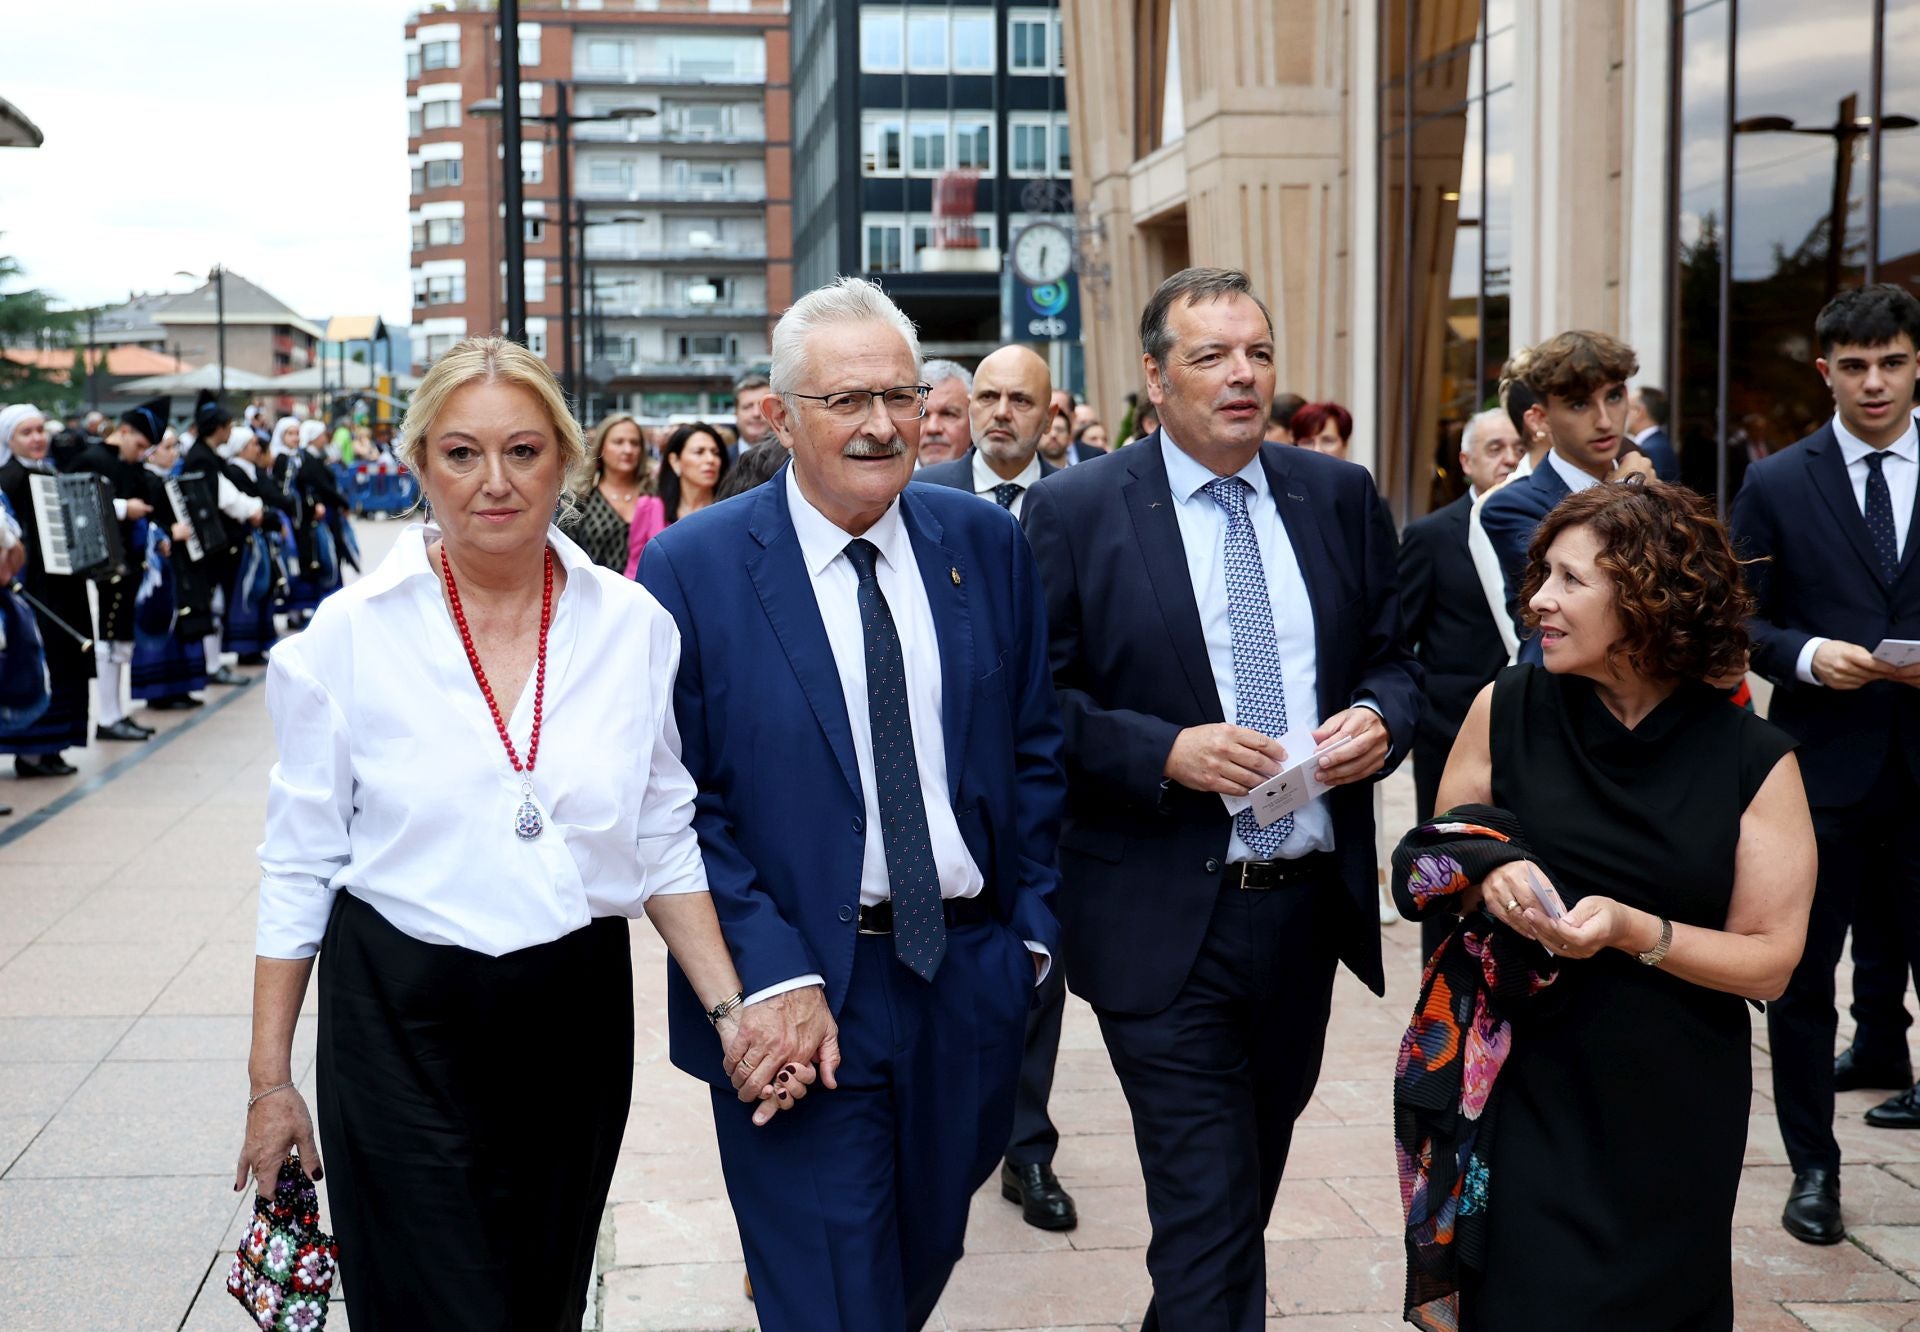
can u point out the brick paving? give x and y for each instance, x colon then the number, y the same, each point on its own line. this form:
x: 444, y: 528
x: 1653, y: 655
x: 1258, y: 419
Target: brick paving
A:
x: 126, y: 917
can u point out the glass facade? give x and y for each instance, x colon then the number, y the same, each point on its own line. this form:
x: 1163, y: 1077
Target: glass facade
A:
x: 1446, y: 234
x: 1780, y: 200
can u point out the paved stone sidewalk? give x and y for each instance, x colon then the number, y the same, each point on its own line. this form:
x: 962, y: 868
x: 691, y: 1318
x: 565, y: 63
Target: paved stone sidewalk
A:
x: 126, y: 919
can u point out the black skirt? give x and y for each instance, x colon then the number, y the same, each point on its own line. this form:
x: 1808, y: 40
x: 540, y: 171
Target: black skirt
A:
x: 471, y: 1110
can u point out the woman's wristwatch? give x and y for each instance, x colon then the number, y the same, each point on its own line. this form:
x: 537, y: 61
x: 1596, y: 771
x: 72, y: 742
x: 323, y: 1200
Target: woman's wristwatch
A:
x: 1657, y: 954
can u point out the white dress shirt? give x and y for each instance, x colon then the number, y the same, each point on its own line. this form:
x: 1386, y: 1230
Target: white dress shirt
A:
x: 1901, y: 470
x: 836, y: 589
x: 392, y: 782
x: 1576, y: 480
x: 1203, y: 532
x: 986, y: 480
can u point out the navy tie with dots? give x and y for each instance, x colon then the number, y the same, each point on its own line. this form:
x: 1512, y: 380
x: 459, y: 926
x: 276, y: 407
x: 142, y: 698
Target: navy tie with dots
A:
x: 1006, y: 493
x: 1259, y: 692
x: 919, y: 918
x: 1886, y: 544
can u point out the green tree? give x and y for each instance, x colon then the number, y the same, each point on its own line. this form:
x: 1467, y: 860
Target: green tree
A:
x: 29, y: 321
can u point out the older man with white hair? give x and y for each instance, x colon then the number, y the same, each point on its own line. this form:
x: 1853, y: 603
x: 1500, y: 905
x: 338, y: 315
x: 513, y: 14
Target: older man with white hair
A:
x: 945, y: 431
x: 865, y: 701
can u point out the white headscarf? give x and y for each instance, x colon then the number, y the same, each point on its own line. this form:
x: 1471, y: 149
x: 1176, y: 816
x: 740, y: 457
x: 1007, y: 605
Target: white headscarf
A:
x: 279, y: 447
x: 11, y: 419
x: 310, y: 431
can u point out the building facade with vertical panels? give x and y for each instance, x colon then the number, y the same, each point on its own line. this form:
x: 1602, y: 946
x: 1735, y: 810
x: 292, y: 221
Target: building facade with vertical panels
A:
x: 896, y: 103
x: 1420, y: 186
x: 682, y: 218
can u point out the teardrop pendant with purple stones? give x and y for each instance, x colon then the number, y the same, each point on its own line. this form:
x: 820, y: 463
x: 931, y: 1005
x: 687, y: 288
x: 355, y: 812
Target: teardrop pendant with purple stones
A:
x: 527, y: 821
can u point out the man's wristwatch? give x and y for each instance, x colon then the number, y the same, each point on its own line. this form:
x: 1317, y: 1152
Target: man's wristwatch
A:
x: 1657, y: 954
x: 731, y: 1004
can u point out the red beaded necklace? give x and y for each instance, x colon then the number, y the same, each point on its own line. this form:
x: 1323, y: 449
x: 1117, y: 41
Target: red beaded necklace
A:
x: 527, y: 822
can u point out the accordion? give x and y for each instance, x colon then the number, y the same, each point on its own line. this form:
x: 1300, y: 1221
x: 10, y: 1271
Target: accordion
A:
x: 78, y: 532
x: 195, y: 497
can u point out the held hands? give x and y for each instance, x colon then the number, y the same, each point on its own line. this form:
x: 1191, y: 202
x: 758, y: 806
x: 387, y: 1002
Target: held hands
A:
x: 772, y: 1049
x: 1362, y: 754
x: 1840, y: 665
x: 277, y: 1121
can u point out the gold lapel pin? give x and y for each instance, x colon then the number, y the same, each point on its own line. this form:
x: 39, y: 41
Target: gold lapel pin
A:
x: 955, y: 575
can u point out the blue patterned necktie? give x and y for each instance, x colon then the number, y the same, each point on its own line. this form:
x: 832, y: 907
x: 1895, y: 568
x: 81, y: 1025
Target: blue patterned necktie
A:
x: 1259, y: 693
x: 1006, y: 493
x: 919, y: 918
x: 1886, y: 543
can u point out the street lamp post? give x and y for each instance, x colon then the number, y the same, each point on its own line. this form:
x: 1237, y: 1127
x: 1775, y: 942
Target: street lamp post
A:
x: 562, y: 120
x: 1848, y: 127
x: 511, y: 169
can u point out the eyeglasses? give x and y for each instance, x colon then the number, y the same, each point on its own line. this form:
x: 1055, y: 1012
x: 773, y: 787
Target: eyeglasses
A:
x: 908, y: 402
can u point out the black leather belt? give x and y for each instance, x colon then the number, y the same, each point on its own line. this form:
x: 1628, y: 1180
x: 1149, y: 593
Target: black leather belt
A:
x: 878, y: 918
x: 1260, y: 875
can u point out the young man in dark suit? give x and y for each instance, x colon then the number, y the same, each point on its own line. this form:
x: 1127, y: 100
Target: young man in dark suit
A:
x: 1828, y: 526
x: 1207, y: 595
x: 1448, y: 622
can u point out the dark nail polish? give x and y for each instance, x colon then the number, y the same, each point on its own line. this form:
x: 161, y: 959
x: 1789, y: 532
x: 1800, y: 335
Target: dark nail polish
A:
x: 318, y: 1174
x: 783, y: 1093
x: 785, y: 1074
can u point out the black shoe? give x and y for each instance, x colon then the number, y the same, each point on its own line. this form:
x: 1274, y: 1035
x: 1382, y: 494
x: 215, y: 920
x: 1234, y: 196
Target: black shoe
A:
x: 1043, y: 1203
x: 226, y: 675
x: 1813, y: 1207
x: 172, y: 703
x: 47, y: 765
x: 122, y: 730
x: 5, y: 810
x: 1853, y: 1071
x: 253, y: 659
x: 1897, y: 1112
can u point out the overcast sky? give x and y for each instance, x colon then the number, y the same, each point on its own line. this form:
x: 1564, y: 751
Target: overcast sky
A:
x: 268, y: 137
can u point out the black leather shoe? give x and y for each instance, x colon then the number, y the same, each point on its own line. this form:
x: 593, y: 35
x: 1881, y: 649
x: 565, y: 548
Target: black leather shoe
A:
x: 47, y: 765
x: 1043, y: 1203
x: 253, y: 659
x: 1813, y: 1208
x: 1897, y: 1112
x: 174, y: 703
x: 226, y: 675
x: 1852, y: 1071
x: 122, y: 730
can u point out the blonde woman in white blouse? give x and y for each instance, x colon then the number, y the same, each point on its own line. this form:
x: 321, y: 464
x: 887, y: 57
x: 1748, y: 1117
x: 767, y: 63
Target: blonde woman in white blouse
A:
x: 464, y: 872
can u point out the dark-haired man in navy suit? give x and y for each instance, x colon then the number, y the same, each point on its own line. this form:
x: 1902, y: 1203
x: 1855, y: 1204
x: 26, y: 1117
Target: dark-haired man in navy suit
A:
x: 1208, y: 595
x: 1828, y: 524
x: 864, y: 699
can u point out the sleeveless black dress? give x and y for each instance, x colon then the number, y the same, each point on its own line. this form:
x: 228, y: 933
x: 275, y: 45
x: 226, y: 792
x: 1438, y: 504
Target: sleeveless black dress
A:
x: 1624, y: 1106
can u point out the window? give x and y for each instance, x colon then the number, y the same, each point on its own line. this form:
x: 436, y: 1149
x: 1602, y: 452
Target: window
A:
x: 537, y: 338
x: 927, y: 147
x: 440, y: 115
x: 605, y: 53
x: 973, y: 43
x: 419, y: 236
x: 1059, y: 46
x: 440, y: 55
x: 1027, y: 45
x: 440, y: 289
x: 703, y: 175
x: 419, y: 179
x: 881, y: 37
x: 607, y: 347
x: 413, y: 122
x: 706, y: 118
x: 880, y: 147
x: 534, y: 275
x: 439, y: 344
x: 535, y: 229
x: 533, y: 163
x: 438, y: 231
x: 883, y: 247
x: 973, y: 145
x: 413, y: 65
x: 708, y: 291
x: 711, y: 345
x: 927, y: 43
x: 1062, y: 150
x: 1029, y: 146
x: 610, y: 173
x: 529, y: 45
x: 441, y: 175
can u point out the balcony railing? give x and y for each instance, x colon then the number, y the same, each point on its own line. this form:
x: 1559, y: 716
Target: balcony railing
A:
x: 669, y: 78
x: 673, y: 194
x: 652, y: 132
x: 608, y: 309
x: 693, y: 367
x: 722, y: 256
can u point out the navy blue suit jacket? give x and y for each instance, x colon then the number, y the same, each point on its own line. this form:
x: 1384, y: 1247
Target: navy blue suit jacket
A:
x: 1659, y: 450
x: 1141, y: 858
x: 957, y: 473
x: 1509, y: 518
x: 1816, y: 576
x: 764, y: 731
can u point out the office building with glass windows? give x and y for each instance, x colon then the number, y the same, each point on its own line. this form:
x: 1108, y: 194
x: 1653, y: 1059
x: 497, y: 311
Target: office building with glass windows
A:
x: 925, y: 136
x: 1420, y: 186
x: 680, y: 182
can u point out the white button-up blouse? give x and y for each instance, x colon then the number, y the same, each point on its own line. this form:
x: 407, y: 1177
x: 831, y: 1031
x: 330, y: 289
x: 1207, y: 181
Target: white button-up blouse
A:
x: 392, y: 783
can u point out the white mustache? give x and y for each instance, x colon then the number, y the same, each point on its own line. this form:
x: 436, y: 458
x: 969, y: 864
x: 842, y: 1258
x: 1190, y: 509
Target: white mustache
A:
x: 873, y: 448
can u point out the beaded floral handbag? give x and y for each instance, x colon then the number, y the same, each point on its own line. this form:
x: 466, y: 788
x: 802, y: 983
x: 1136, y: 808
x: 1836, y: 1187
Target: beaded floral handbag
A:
x: 283, y: 1273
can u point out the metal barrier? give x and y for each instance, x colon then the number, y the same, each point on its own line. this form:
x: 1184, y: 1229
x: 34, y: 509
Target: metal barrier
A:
x: 379, y: 489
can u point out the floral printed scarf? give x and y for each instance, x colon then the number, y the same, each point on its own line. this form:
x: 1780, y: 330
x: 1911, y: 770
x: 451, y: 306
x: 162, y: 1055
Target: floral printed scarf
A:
x: 1444, y: 1106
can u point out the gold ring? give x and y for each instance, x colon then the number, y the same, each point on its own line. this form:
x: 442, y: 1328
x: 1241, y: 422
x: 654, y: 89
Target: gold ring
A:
x: 1513, y: 905
x: 743, y: 1066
